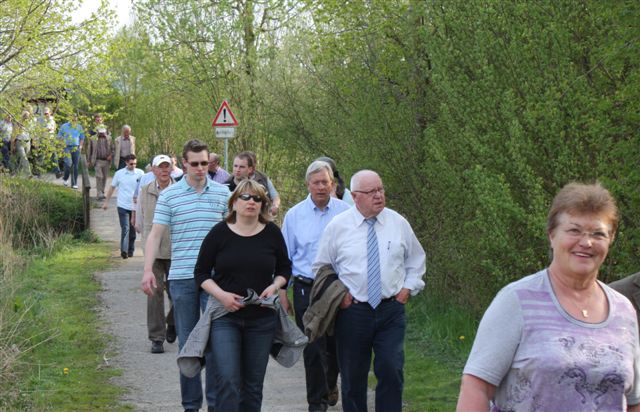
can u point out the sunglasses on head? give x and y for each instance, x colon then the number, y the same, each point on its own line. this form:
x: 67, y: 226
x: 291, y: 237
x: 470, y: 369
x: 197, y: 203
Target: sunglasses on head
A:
x: 247, y: 196
x: 196, y: 164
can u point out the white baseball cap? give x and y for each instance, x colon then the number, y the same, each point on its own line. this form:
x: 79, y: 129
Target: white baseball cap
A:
x: 160, y: 159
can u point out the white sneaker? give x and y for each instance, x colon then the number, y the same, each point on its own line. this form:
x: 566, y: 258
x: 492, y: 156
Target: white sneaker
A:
x: 74, y: 186
x: 65, y: 183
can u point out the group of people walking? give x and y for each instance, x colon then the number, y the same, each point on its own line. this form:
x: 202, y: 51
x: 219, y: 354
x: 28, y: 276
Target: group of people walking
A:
x: 209, y: 235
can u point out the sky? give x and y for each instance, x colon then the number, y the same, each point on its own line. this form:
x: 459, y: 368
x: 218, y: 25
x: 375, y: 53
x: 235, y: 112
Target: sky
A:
x: 122, y: 8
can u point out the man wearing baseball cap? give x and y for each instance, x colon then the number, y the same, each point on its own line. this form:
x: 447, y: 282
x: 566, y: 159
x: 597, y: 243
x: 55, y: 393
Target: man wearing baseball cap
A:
x: 160, y: 328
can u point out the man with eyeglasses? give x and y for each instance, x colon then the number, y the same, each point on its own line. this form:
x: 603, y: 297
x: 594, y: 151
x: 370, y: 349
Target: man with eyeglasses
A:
x: 380, y: 261
x: 303, y: 225
x: 189, y: 209
x: 217, y: 173
x: 125, y: 180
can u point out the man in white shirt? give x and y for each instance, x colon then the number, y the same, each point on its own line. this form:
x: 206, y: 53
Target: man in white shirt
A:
x: 379, y: 259
x: 126, y: 181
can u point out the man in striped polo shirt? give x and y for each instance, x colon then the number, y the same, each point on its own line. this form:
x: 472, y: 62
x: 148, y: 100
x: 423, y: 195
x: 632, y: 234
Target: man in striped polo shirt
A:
x: 189, y: 209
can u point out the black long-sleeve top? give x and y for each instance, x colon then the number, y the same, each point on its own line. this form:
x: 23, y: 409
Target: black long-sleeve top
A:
x: 243, y: 262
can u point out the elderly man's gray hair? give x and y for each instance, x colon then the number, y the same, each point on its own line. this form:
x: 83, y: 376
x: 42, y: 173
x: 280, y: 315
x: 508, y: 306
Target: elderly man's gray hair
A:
x: 317, y: 166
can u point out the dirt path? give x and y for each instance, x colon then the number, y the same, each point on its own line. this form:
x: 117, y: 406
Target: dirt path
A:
x: 152, y: 379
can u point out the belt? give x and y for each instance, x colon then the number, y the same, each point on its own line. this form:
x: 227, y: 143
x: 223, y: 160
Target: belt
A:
x: 303, y: 280
x: 356, y: 301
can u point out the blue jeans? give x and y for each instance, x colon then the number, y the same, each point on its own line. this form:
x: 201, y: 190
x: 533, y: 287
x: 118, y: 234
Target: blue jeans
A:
x: 127, y: 233
x: 360, y: 329
x: 240, y: 357
x: 188, y: 302
x: 71, y: 159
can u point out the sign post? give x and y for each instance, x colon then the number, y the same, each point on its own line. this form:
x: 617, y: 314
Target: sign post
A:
x: 225, y: 128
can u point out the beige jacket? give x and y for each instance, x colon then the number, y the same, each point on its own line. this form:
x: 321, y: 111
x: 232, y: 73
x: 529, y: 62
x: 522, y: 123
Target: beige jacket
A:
x: 116, y: 155
x: 148, y: 198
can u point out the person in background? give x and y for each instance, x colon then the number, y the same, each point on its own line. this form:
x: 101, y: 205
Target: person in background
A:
x: 100, y: 155
x: 176, y: 171
x: 73, y: 136
x: 159, y: 326
x: 125, y: 180
x: 6, y: 133
x: 26, y: 128
x: 340, y: 191
x: 217, y: 173
x: 560, y: 340
x: 244, y: 167
x: 188, y: 209
x: 42, y: 140
x: 246, y: 251
x: 381, y: 263
x: 303, y: 225
x: 125, y: 145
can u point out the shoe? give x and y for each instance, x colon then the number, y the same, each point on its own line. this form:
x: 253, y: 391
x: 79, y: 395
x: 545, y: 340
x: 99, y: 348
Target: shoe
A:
x: 130, y: 254
x: 58, y: 175
x: 124, y: 255
x: 156, y: 347
x: 74, y: 186
x: 171, y: 333
x: 65, y: 183
x: 333, y: 396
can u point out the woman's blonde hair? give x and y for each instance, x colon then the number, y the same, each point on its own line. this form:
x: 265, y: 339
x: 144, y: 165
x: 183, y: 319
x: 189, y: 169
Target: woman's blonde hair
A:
x: 251, y: 187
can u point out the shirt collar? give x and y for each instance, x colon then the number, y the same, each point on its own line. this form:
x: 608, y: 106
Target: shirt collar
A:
x: 359, y: 219
x: 311, y: 205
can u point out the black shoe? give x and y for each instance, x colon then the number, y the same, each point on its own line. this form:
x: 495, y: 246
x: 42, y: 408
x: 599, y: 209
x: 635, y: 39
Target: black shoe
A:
x: 333, y: 396
x: 156, y: 347
x: 171, y: 333
x: 124, y: 255
x: 58, y: 175
x: 130, y: 254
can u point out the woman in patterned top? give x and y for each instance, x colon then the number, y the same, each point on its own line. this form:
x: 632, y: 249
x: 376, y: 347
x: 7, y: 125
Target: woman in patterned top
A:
x: 560, y: 340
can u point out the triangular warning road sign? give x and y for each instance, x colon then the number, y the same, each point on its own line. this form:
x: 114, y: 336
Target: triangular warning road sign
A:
x: 224, y: 117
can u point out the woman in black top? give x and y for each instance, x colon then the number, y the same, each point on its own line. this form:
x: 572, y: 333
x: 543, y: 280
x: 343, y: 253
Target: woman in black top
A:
x: 246, y: 251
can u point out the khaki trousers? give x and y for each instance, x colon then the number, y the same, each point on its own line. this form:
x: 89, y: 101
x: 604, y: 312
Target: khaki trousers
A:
x: 156, y: 320
x: 102, y: 173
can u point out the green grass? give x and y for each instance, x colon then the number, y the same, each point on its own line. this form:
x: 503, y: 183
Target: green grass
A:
x: 437, y: 343
x: 63, y: 366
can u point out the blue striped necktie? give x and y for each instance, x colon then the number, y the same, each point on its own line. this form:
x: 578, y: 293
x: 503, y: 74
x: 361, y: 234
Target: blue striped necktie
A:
x: 373, y: 265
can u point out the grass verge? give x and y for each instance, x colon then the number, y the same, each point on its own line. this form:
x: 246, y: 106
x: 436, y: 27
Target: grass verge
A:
x: 437, y: 343
x: 63, y: 366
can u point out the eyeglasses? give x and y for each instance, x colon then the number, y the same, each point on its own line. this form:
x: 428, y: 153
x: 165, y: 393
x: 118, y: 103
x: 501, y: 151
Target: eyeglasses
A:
x: 196, y: 164
x: 576, y: 233
x: 247, y: 196
x: 371, y: 192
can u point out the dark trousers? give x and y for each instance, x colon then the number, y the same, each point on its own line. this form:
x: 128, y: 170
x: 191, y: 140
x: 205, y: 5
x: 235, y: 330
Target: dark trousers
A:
x: 359, y: 330
x: 320, y: 360
x: 127, y: 232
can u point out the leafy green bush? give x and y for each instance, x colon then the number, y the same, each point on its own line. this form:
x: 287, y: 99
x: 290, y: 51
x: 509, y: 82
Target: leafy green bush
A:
x: 33, y: 211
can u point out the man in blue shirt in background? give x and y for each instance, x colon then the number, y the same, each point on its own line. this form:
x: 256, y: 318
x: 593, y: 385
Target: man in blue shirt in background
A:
x: 73, y: 135
x: 303, y: 225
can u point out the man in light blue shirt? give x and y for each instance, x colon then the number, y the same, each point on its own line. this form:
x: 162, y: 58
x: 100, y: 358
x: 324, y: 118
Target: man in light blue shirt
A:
x: 189, y: 209
x: 125, y: 180
x: 72, y: 134
x: 302, y: 228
